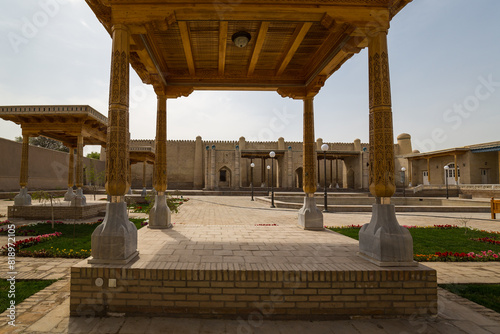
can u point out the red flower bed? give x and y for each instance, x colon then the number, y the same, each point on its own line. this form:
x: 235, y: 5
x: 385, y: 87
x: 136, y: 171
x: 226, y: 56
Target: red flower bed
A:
x: 487, y: 240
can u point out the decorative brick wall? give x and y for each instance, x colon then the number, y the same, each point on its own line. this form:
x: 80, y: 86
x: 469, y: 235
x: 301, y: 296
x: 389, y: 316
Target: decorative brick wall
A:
x: 269, y: 294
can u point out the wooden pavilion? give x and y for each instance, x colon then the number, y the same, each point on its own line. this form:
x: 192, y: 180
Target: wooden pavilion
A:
x: 288, y: 46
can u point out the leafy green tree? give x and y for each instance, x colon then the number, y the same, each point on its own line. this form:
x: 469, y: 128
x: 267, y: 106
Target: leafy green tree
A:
x: 94, y: 155
x: 45, y: 142
x: 95, y: 178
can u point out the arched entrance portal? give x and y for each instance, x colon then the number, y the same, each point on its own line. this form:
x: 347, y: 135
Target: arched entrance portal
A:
x: 224, y: 177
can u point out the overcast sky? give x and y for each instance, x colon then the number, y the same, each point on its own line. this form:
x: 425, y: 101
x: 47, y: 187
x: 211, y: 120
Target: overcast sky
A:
x: 444, y: 60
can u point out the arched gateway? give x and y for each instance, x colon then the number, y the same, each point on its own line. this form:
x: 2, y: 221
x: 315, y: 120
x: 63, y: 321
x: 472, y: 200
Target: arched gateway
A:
x: 291, y: 47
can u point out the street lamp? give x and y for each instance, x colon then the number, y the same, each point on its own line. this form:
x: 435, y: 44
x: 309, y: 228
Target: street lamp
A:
x: 324, y: 148
x: 252, y: 165
x: 446, y: 179
x: 403, y: 179
x: 272, y: 155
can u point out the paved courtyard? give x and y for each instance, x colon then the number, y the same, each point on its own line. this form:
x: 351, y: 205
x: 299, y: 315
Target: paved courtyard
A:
x: 48, y: 310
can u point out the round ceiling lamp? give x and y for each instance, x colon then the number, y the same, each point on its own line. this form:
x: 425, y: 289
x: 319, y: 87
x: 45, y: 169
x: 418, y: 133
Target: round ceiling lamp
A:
x: 241, y: 39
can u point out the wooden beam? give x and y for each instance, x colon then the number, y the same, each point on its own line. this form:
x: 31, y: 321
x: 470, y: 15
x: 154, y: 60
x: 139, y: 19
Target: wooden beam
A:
x: 261, y: 36
x: 186, y: 43
x: 222, y: 46
x: 297, y: 38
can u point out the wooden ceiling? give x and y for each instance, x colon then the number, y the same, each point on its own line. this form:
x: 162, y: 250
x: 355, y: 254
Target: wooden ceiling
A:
x: 295, y: 44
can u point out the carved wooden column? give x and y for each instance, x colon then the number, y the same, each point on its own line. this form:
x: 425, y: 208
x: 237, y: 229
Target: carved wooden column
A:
x: 263, y: 172
x: 144, y: 191
x: 115, y: 240
x: 79, y: 198
x: 23, y: 198
x: 382, y: 241
x: 70, y: 194
x: 159, y: 216
x: 310, y: 217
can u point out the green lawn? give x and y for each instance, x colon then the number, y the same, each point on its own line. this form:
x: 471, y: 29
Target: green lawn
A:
x: 24, y: 289
x: 74, y: 242
x: 432, y: 240
x: 487, y: 295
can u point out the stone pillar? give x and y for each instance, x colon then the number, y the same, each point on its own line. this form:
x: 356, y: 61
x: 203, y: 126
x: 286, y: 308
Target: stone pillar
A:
x: 244, y: 175
x: 207, y: 186
x: 115, y: 240
x: 310, y: 217
x: 23, y: 198
x: 144, y: 190
x: 70, y: 194
x: 212, y: 168
x: 198, y: 164
x: 290, y: 168
x: 237, y: 180
x: 79, y: 199
x: 159, y: 216
x: 383, y: 241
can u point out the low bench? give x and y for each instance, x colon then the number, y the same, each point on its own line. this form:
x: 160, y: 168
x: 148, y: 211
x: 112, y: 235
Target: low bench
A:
x: 495, y: 207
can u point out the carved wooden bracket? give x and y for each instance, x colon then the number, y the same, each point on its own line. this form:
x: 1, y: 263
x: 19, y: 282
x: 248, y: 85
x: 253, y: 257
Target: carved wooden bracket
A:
x: 300, y: 93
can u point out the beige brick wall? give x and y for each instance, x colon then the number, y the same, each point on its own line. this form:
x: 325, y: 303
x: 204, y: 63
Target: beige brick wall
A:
x: 275, y: 295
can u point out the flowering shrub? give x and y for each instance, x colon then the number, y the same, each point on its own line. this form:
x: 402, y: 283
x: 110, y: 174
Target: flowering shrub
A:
x: 5, y: 222
x: 31, y: 241
x: 458, y: 257
x: 67, y: 253
x: 487, y: 240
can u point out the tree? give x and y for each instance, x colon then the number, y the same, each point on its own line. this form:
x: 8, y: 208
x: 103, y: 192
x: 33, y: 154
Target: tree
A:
x: 94, y: 155
x: 95, y: 178
x: 45, y: 142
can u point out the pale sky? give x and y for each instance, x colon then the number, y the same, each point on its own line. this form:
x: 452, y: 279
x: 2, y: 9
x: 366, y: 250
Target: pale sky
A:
x: 445, y: 77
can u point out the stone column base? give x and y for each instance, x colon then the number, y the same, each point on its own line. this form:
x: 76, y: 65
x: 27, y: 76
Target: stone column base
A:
x: 79, y: 199
x: 159, y: 216
x: 383, y: 241
x: 23, y: 198
x: 115, y: 240
x: 69, y: 195
x: 310, y: 217
x: 144, y: 192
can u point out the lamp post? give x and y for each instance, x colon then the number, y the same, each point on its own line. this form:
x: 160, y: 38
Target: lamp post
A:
x: 446, y: 179
x: 403, y: 179
x: 272, y: 154
x: 324, y: 148
x: 252, y: 165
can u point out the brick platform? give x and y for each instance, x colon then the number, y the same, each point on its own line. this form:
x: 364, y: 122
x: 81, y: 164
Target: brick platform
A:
x: 62, y: 211
x: 260, y: 272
